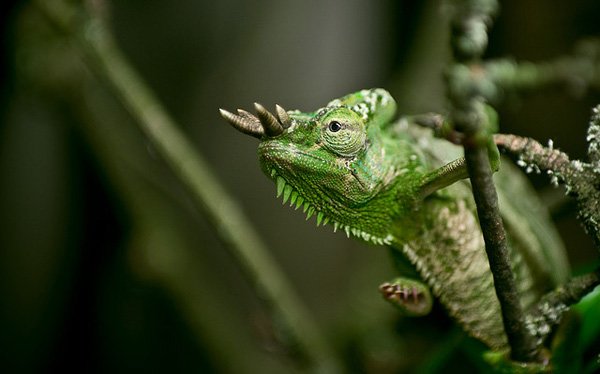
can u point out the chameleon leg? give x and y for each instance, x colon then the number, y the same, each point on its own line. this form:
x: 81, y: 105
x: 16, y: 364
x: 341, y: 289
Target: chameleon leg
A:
x: 407, y: 292
x: 457, y: 169
x: 411, y: 296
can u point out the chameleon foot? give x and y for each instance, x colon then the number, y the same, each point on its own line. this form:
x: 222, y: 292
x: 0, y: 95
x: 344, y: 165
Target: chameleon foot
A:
x: 410, y: 296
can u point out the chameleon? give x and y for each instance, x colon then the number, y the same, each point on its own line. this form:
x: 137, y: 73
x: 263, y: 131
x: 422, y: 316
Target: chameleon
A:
x: 389, y: 182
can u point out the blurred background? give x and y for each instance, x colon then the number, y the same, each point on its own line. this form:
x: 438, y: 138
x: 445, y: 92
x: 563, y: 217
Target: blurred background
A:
x: 105, y: 264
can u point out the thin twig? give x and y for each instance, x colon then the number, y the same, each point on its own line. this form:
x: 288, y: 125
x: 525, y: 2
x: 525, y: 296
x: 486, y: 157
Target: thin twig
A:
x: 469, y: 41
x: 548, y: 311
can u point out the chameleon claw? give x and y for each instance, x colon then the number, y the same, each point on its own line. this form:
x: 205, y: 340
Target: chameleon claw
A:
x: 410, y: 296
x: 247, y: 125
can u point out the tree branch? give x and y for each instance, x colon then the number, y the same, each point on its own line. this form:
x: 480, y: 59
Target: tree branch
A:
x: 548, y: 311
x: 469, y: 41
x: 581, y: 179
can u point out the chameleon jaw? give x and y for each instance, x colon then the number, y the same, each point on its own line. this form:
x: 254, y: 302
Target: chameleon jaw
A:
x: 289, y: 193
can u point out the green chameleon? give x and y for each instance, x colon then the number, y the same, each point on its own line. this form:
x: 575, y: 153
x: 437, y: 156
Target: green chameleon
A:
x: 391, y: 182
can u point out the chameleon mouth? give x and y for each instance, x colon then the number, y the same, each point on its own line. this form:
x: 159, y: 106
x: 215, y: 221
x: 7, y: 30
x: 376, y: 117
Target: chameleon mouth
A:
x: 288, y: 193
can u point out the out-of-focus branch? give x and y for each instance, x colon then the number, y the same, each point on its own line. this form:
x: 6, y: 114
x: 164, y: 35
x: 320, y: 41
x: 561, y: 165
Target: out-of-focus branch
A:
x: 491, y: 80
x: 94, y: 42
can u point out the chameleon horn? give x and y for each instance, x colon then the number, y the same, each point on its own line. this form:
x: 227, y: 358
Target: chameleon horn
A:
x: 270, y: 123
x: 245, y: 122
x: 283, y: 116
x: 247, y: 114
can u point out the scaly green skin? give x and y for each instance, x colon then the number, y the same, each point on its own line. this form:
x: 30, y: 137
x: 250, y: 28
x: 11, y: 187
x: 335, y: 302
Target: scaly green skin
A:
x: 391, y: 183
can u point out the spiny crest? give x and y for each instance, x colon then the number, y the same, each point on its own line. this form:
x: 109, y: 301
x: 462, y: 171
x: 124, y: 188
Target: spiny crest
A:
x: 368, y: 103
x: 288, y: 193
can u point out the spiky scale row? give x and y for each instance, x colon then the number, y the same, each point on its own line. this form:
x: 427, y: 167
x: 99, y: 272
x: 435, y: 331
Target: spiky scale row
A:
x: 293, y: 197
x: 305, y: 207
x: 347, y: 230
x: 319, y: 218
x: 280, y: 185
x: 288, y: 193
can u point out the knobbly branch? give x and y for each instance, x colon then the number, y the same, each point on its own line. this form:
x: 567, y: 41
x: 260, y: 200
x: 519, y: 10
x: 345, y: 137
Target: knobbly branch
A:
x: 582, y: 180
x: 469, y: 41
x: 548, y: 311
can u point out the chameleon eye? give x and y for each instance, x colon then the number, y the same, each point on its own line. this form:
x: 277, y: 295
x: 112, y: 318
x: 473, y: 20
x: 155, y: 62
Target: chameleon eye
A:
x: 345, y: 137
x: 334, y: 126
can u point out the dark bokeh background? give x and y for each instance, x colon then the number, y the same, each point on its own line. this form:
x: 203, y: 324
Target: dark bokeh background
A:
x: 104, y: 263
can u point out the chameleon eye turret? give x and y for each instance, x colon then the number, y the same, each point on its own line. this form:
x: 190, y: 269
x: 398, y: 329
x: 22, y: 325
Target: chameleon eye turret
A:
x: 264, y: 123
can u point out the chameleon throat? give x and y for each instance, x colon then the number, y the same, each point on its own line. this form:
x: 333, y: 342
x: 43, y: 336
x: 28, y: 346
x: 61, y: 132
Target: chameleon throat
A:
x: 289, y: 193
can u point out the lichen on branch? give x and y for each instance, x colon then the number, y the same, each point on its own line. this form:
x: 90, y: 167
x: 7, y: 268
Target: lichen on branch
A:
x: 581, y: 179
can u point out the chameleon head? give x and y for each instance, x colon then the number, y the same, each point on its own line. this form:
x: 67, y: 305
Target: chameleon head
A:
x: 333, y: 162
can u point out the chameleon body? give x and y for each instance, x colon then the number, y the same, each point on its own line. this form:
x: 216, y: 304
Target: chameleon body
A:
x: 390, y: 182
